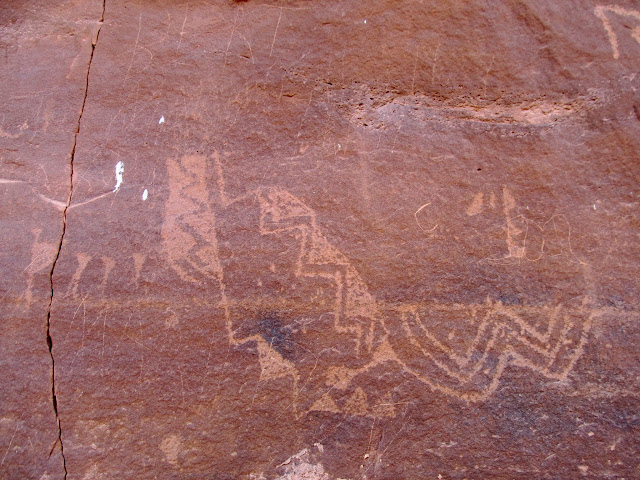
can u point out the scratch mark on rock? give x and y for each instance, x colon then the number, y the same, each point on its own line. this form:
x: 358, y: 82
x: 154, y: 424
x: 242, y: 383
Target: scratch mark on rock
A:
x: 275, y: 33
x: 415, y: 214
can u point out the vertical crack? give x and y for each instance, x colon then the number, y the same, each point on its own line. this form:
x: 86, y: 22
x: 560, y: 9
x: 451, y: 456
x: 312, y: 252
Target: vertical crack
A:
x: 54, y: 399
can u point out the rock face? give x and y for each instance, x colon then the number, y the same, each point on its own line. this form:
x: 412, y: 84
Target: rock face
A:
x: 320, y: 240
x: 46, y: 50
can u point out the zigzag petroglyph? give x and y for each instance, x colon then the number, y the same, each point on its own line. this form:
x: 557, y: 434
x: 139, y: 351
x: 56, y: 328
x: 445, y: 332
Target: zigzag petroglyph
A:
x: 381, y: 333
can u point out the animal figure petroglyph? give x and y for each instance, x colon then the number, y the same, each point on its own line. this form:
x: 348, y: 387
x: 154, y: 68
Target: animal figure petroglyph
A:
x: 208, y: 235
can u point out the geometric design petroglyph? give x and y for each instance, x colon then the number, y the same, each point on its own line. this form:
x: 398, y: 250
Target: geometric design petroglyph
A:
x: 207, y: 234
x: 503, y: 338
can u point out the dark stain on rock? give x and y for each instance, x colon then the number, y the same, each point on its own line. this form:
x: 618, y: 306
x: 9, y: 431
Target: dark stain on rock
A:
x: 510, y: 299
x: 276, y: 335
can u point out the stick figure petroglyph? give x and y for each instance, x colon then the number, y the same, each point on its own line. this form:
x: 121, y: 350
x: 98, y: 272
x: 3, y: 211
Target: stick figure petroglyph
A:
x: 267, y: 253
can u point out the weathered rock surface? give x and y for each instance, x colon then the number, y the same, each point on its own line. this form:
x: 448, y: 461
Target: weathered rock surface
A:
x: 45, y: 57
x: 323, y: 240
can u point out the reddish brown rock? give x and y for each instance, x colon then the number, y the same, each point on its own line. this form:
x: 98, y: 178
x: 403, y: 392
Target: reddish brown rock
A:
x: 45, y: 58
x: 352, y: 240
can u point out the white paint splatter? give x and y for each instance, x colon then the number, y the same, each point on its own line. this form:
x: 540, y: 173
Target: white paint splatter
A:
x: 365, y: 21
x: 145, y: 194
x: 594, y: 206
x: 119, y: 174
x: 161, y: 121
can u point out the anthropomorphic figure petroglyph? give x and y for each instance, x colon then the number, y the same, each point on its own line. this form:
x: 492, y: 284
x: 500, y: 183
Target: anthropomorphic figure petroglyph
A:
x: 286, y: 289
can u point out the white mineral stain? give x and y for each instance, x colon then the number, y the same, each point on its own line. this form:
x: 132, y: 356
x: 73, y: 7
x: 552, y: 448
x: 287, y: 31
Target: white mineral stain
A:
x: 119, y: 174
x: 161, y: 121
x: 145, y: 194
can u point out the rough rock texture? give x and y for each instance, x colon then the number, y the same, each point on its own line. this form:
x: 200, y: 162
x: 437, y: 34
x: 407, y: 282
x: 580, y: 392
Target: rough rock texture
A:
x: 44, y: 53
x: 321, y: 240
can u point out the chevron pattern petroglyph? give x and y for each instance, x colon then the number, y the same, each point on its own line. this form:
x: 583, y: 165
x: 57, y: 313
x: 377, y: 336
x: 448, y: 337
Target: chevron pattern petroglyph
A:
x: 504, y: 335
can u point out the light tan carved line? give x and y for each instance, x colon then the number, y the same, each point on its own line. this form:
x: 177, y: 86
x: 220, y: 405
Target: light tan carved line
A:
x: 287, y: 212
x: 272, y: 206
x: 509, y: 204
x: 222, y: 188
x: 272, y: 364
x: 529, y: 335
x: 459, y: 375
x: 42, y: 255
x: 511, y: 350
x: 495, y: 329
x: 600, y: 12
x: 579, y: 349
x: 188, y: 202
x: 505, y: 353
x: 83, y: 260
x: 539, y: 345
x: 518, y: 250
x: 310, y: 238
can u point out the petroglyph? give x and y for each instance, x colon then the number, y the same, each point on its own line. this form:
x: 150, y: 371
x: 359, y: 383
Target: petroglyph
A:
x: 525, y: 239
x: 514, y: 232
x: 281, y: 212
x: 83, y: 260
x: 42, y: 256
x: 475, y: 207
x: 171, y: 447
x: 503, y: 337
x: 202, y: 241
x: 601, y: 12
x: 189, y: 227
x: 274, y: 366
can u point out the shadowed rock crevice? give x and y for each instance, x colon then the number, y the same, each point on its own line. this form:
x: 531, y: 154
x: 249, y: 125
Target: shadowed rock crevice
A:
x: 54, y: 399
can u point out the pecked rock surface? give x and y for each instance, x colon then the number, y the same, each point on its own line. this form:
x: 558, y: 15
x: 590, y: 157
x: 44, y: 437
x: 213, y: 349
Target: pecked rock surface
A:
x: 321, y: 240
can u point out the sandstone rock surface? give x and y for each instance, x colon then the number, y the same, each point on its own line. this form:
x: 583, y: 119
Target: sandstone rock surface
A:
x: 46, y: 51
x: 322, y: 240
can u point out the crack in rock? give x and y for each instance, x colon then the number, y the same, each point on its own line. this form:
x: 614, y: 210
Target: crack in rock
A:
x: 94, y: 42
